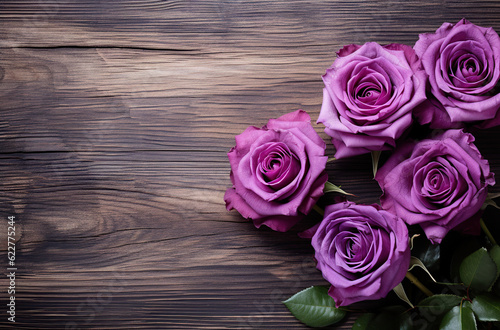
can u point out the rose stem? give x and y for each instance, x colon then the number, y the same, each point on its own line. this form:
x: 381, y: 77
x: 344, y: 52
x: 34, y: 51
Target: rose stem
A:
x: 487, y: 232
x: 418, y: 284
x: 318, y: 209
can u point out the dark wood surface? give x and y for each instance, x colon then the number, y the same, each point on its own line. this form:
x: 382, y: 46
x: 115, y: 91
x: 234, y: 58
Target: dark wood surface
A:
x: 115, y: 121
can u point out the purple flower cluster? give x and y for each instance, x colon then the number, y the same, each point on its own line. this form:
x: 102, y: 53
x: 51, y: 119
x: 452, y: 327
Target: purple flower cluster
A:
x: 373, y: 96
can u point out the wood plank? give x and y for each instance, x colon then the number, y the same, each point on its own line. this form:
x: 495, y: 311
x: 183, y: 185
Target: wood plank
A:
x: 221, y: 25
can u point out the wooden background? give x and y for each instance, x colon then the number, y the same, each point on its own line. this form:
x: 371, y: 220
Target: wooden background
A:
x: 115, y: 121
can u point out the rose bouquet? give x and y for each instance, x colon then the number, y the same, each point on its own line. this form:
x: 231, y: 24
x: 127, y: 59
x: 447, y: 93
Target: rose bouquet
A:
x: 417, y: 105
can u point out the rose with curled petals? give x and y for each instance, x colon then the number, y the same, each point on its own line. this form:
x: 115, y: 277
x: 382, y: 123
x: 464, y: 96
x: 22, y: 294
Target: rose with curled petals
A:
x: 362, y: 250
x: 369, y: 96
x: 437, y: 183
x: 463, y: 64
x: 278, y: 171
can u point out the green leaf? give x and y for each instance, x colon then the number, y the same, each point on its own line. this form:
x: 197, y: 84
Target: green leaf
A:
x: 496, y: 288
x: 478, y: 270
x: 363, y: 321
x: 486, y: 308
x: 385, y: 320
x: 459, y: 318
x: 462, y: 250
x: 495, y: 256
x: 405, y: 322
x: 438, y: 304
x: 375, y: 160
x: 330, y: 187
x: 314, y: 307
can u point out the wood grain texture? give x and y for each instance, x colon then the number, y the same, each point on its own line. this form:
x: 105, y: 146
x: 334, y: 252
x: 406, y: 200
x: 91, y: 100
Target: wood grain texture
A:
x: 115, y: 121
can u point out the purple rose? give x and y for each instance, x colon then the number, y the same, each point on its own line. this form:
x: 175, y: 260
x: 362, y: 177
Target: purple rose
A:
x: 362, y: 251
x: 463, y: 64
x: 278, y: 171
x: 438, y: 183
x: 369, y: 95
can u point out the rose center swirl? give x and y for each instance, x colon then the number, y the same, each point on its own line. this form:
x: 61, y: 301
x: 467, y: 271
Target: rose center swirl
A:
x: 467, y: 66
x: 439, y: 183
x: 359, y: 250
x: 277, y: 165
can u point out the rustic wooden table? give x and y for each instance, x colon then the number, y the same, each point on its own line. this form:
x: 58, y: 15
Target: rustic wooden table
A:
x: 116, y: 117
